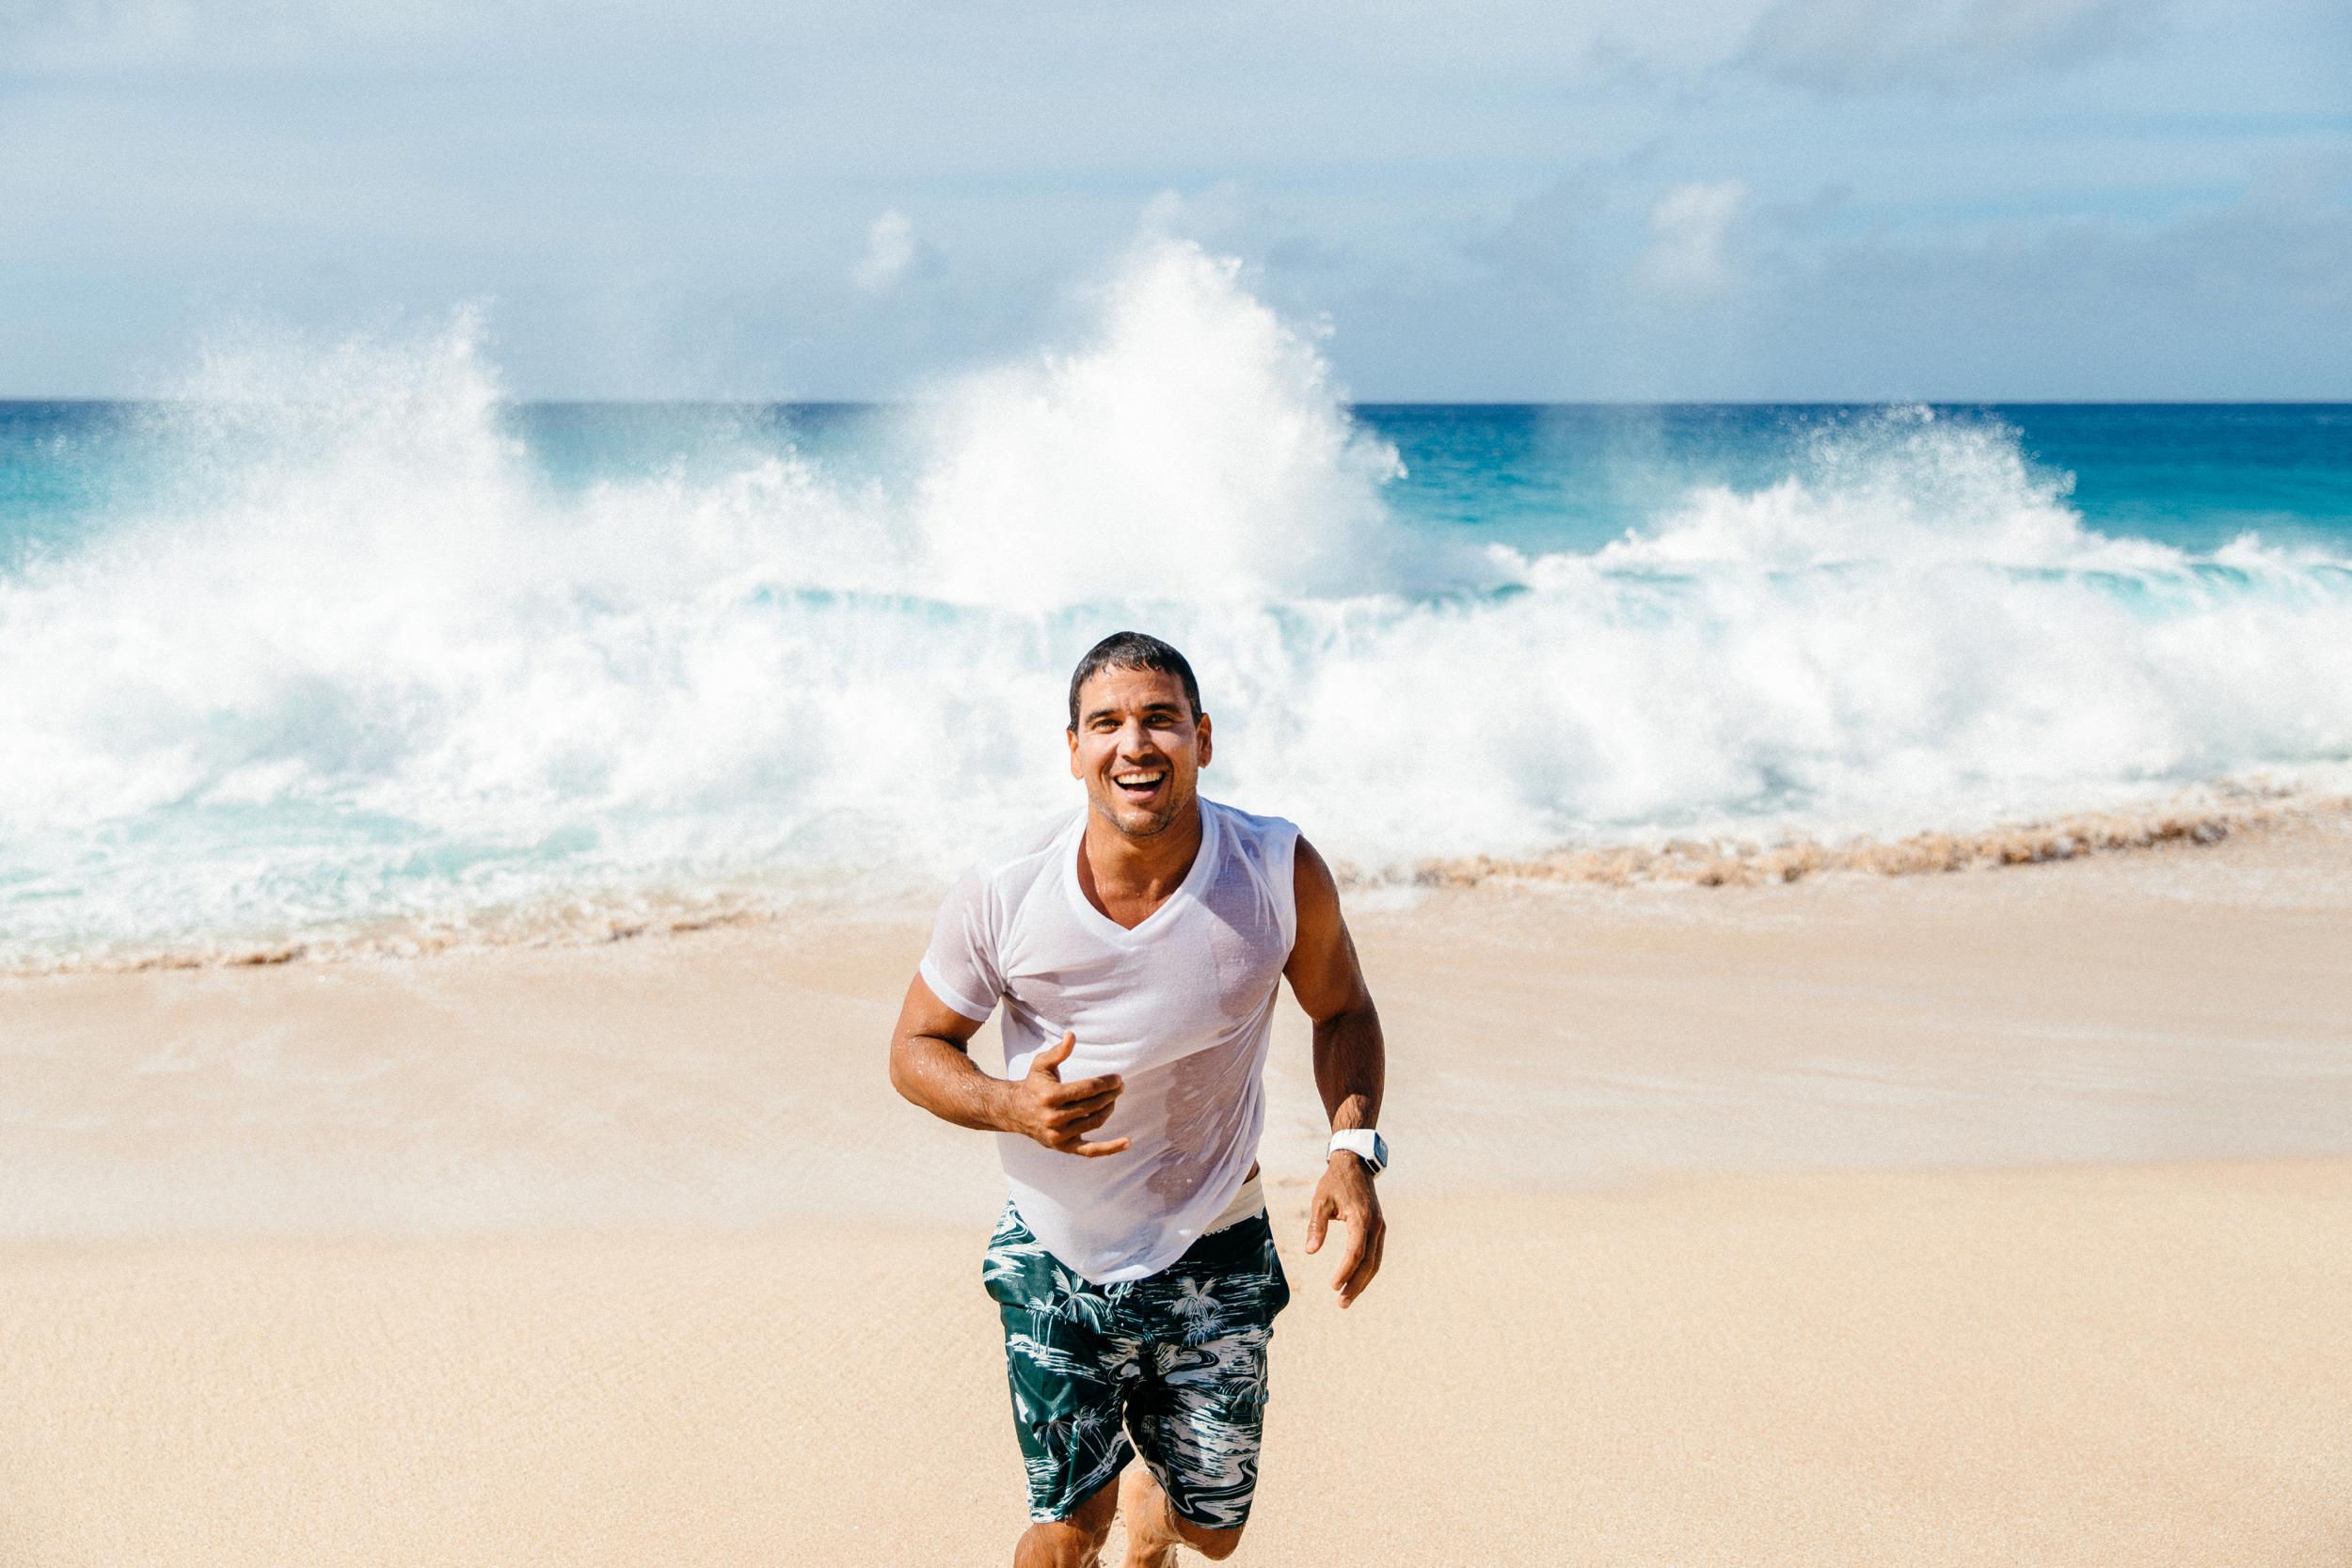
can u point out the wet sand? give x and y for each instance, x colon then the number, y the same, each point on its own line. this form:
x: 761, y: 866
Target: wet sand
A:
x: 1999, y: 1216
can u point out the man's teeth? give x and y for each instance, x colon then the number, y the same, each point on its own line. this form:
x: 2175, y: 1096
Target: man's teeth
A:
x: 1136, y: 780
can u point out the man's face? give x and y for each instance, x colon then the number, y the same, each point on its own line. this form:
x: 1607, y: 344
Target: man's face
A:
x: 1137, y: 748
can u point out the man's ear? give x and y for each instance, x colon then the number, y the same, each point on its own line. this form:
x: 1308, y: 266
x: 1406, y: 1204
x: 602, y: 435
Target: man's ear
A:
x: 1201, y: 733
x: 1072, y: 735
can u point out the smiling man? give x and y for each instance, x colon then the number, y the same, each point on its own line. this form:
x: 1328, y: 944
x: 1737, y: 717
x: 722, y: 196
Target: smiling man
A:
x: 1137, y: 946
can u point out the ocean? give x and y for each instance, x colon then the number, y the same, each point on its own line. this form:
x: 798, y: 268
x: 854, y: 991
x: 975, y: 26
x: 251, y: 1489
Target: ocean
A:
x: 338, y: 647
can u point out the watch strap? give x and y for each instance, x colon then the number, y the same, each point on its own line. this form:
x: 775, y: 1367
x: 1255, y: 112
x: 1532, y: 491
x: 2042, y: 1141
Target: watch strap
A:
x: 1365, y: 1144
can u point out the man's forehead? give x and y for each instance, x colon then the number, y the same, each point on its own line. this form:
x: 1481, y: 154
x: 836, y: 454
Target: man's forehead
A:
x: 1115, y: 690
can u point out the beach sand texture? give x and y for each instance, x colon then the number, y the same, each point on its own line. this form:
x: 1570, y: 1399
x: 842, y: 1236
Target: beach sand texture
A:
x: 1995, y: 1217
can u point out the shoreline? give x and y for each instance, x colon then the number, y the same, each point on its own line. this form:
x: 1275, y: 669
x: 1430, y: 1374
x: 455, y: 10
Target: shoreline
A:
x: 2184, y: 1002
x: 2202, y: 816
x: 2177, y: 823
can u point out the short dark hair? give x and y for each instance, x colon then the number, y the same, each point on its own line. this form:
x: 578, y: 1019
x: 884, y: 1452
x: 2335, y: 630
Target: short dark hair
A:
x: 1133, y: 650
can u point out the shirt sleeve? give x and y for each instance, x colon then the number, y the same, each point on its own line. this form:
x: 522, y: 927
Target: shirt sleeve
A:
x: 960, y: 965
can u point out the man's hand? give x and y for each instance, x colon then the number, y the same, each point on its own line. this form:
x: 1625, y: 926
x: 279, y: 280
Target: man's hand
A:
x: 1346, y: 1194
x: 1059, y: 1115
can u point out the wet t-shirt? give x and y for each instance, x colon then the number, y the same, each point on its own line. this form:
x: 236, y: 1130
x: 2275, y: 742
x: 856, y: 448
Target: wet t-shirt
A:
x: 1181, y: 1008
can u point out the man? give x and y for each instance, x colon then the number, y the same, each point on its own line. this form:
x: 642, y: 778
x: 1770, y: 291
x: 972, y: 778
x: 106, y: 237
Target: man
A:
x: 1137, y: 946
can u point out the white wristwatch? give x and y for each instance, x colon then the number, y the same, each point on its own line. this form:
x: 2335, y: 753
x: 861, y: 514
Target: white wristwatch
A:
x: 1366, y: 1145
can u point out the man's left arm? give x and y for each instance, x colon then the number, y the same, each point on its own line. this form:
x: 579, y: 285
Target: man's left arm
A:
x: 1350, y: 1065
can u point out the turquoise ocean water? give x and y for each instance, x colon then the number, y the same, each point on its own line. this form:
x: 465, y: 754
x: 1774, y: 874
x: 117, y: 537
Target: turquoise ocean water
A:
x: 356, y: 644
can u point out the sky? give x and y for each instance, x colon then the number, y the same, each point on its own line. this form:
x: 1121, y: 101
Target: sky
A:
x: 1524, y: 199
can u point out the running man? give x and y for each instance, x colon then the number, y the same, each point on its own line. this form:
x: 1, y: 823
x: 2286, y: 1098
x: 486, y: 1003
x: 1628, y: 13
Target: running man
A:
x: 1137, y: 946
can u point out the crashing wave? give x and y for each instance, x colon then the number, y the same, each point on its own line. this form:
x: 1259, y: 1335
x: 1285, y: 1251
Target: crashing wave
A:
x: 354, y: 657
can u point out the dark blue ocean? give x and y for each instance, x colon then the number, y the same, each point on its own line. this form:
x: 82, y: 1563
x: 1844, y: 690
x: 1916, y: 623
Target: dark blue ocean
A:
x: 356, y: 643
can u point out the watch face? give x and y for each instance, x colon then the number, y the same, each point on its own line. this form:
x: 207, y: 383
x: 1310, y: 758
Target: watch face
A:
x: 1379, y: 1153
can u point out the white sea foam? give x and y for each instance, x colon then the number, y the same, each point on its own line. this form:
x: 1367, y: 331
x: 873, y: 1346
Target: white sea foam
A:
x: 362, y: 659
x: 1196, y: 450
x: 1909, y: 488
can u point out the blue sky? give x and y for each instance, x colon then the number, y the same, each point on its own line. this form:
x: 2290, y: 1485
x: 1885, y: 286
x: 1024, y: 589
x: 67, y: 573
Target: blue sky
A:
x: 1696, y: 199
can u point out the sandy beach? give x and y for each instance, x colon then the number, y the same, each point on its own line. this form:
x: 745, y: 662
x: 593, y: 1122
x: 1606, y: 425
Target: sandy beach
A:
x: 1991, y: 1218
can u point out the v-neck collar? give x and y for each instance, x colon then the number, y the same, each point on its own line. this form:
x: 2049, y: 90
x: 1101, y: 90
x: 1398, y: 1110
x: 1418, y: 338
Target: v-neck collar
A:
x: 1212, y: 841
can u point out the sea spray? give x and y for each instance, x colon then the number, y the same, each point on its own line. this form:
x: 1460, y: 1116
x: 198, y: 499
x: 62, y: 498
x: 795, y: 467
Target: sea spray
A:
x: 1196, y: 450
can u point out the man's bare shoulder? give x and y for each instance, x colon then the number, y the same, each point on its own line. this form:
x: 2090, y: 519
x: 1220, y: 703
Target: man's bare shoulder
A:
x: 1314, y: 886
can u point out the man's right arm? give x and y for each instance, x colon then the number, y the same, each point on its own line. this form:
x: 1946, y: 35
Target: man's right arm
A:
x: 931, y: 1064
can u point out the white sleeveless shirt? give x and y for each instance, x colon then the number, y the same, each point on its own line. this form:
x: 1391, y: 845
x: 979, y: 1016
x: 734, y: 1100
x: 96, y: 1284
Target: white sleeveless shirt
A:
x: 1181, y: 1008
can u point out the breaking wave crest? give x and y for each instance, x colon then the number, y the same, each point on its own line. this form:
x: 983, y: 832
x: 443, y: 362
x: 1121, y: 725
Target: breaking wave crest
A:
x: 355, y: 661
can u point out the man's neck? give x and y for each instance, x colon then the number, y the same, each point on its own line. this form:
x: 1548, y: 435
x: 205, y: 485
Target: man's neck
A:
x: 1130, y: 871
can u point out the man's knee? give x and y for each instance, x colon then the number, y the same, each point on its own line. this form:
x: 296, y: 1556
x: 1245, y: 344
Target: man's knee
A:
x: 1075, y: 1539
x: 1214, y: 1544
x: 1072, y: 1543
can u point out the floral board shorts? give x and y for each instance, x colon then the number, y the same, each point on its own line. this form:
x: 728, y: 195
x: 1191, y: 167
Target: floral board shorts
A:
x: 1177, y: 1360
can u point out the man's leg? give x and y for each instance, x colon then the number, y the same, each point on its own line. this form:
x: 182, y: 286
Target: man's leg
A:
x: 1068, y: 1379
x: 1074, y: 1541
x: 1154, y: 1531
x: 1197, y: 1412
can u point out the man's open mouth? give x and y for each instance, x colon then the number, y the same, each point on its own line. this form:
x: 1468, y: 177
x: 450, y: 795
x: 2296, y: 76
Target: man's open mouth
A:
x: 1139, y: 783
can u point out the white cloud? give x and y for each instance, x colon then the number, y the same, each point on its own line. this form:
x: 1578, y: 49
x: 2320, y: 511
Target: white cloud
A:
x: 2242, y: 299
x: 1692, y: 230
x: 1865, y: 45
x: 890, y: 253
